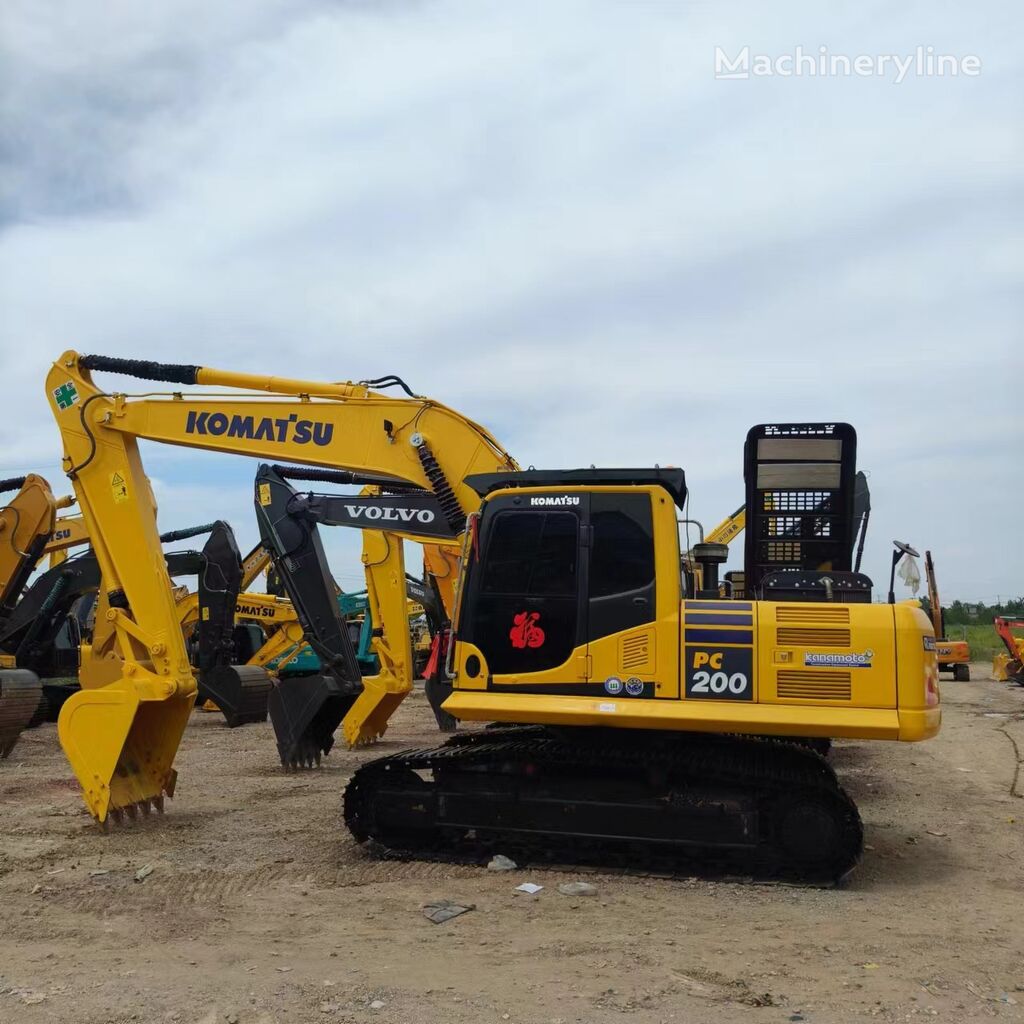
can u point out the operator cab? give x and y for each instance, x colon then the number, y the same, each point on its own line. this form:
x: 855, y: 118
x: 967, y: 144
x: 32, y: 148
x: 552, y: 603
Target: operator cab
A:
x: 559, y: 560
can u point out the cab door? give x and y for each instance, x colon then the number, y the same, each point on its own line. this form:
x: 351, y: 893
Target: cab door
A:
x: 527, y: 613
x: 622, y: 599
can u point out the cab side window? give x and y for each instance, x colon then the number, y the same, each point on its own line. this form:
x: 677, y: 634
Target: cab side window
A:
x: 621, y: 563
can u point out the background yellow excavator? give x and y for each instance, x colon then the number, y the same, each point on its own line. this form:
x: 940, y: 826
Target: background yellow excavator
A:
x: 60, y: 628
x: 647, y: 701
x: 26, y: 525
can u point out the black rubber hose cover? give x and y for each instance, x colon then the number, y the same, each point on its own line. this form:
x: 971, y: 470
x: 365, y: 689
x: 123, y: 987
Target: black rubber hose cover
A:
x: 144, y: 369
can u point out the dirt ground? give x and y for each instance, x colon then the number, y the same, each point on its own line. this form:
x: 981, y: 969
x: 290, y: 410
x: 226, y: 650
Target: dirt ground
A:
x: 259, y: 907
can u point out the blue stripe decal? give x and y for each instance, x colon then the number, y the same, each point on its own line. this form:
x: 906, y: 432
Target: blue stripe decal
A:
x: 718, y: 606
x: 719, y: 636
x: 711, y: 619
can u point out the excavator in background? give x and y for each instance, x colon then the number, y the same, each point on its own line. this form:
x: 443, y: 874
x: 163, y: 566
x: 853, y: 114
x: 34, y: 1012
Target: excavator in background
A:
x: 26, y: 523
x: 45, y: 633
x: 68, y: 532
x: 954, y: 655
x: 308, y: 710
x: 426, y: 617
x: 268, y: 635
x: 1009, y: 667
x: 635, y: 708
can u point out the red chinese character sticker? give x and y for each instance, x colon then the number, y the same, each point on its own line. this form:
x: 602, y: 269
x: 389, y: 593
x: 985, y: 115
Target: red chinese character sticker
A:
x: 525, y: 632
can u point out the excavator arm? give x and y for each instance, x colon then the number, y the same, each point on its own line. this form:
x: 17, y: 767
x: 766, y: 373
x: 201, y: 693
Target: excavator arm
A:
x: 1014, y: 666
x: 405, y: 440
x: 26, y: 524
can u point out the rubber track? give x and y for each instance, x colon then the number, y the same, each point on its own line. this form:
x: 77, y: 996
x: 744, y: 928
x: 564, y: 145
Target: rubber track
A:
x: 783, y: 775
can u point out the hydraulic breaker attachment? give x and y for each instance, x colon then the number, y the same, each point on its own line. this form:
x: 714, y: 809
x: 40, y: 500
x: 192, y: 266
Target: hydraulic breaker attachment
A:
x: 240, y: 692
x: 305, y: 712
x: 121, y: 740
x: 20, y: 697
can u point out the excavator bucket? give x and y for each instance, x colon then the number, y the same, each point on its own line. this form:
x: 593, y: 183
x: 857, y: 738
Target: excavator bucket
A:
x: 20, y: 696
x: 367, y: 719
x: 239, y: 691
x: 305, y: 712
x: 121, y: 741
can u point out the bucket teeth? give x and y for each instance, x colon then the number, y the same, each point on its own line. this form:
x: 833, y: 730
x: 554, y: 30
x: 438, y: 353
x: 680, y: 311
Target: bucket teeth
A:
x: 302, y: 758
x: 132, y: 811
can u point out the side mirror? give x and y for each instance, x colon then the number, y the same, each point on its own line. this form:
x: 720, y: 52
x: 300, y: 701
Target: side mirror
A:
x: 900, y: 549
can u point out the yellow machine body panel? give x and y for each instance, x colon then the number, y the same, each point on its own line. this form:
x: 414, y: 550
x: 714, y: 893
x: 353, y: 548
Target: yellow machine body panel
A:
x: 774, y: 668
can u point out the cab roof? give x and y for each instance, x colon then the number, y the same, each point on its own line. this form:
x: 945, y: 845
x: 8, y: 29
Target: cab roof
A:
x: 672, y: 480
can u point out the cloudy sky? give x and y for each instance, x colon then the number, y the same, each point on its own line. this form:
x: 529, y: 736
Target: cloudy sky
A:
x: 551, y: 216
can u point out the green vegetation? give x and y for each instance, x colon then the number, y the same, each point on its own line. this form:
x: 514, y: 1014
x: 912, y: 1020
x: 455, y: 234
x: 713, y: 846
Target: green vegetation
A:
x: 963, y: 613
x: 983, y: 639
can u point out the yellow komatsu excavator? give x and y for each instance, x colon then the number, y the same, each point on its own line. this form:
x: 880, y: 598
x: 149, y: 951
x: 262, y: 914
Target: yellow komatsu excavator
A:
x: 647, y: 718
x: 637, y: 707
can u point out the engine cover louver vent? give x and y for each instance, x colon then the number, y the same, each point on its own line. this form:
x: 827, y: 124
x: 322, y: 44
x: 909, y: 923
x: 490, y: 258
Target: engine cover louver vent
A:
x: 811, y: 636
x: 831, y: 614
x: 807, y: 684
x: 636, y: 652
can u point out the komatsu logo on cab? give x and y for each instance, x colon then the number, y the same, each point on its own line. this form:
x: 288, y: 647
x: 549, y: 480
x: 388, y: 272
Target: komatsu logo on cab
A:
x: 563, y: 499
x: 286, y: 429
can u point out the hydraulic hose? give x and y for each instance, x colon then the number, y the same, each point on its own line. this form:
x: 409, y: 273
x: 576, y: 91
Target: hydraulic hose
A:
x: 340, y: 476
x: 189, y: 531
x: 12, y: 483
x: 144, y: 369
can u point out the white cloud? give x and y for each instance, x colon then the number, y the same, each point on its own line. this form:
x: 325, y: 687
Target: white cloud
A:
x: 549, y: 216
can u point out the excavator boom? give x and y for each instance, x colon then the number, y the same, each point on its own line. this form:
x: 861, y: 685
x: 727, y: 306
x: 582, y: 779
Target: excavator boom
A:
x: 405, y: 441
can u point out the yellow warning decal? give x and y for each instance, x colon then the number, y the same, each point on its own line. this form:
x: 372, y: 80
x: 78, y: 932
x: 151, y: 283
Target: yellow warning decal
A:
x: 118, y: 487
x: 205, y: 612
x: 264, y: 494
